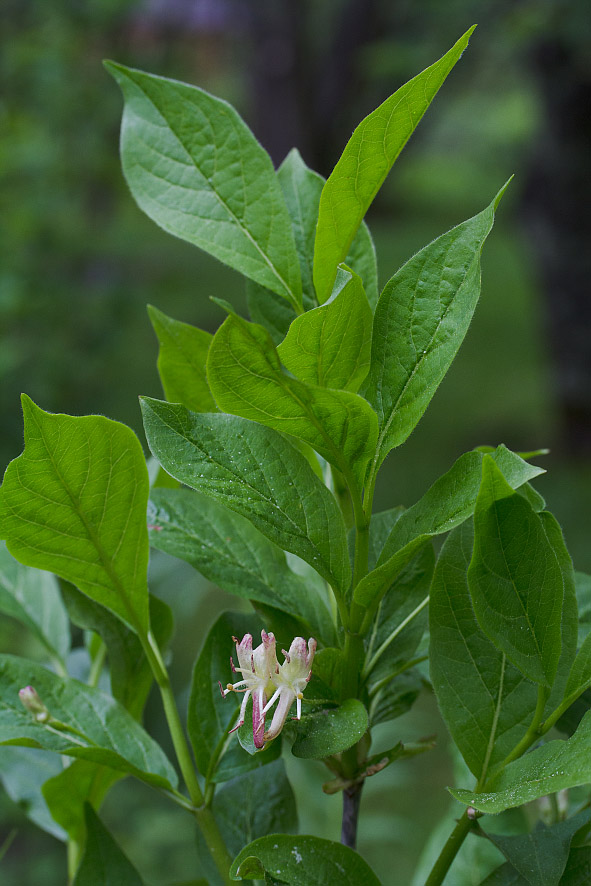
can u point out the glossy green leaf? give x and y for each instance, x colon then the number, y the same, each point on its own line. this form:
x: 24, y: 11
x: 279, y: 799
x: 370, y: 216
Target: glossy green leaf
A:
x: 181, y: 362
x: 254, y: 471
x: 303, y: 861
x: 515, y: 579
x: 69, y: 790
x: 330, y: 345
x: 104, y: 863
x: 196, y: 169
x: 94, y: 726
x: 255, y: 804
x: 420, y: 322
x: 210, y: 716
x: 552, y: 767
x: 246, y: 379
x: 330, y: 731
x: 22, y: 773
x: 32, y: 597
x: 129, y: 671
x: 487, y: 704
x: 74, y: 503
x: 541, y: 856
x: 365, y: 163
x: 449, y: 501
x: 227, y: 549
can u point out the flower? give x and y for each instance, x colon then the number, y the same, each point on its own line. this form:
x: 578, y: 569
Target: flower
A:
x: 269, y: 682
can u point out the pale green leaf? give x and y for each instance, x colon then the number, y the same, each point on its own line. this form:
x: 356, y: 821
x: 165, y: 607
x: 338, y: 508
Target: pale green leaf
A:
x: 254, y: 471
x: 66, y: 793
x: 32, y: 597
x: 552, y: 767
x: 420, y: 322
x: 196, y: 169
x: 181, y: 362
x: 515, y: 578
x: 246, y: 379
x: 330, y: 345
x: 365, y: 163
x: 303, y: 861
x: 74, y: 503
x: 94, y: 726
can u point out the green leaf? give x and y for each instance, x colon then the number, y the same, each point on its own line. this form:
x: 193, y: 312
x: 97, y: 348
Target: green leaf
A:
x: 22, y: 772
x: 181, y: 362
x: 578, y: 868
x: 541, y: 856
x: 583, y: 592
x: 365, y: 163
x: 396, y: 697
x: 227, y: 549
x: 420, y: 322
x: 246, y: 379
x: 255, y: 804
x: 515, y: 579
x: 74, y: 503
x: 505, y: 875
x: 303, y: 861
x: 330, y: 345
x: 69, y: 790
x: 330, y: 731
x: 196, y: 169
x: 254, y: 471
x: 129, y: 670
x: 552, y: 767
x: 486, y: 703
x: 94, y: 726
x: 210, y: 716
x: 103, y: 863
x: 449, y: 501
x: 32, y: 597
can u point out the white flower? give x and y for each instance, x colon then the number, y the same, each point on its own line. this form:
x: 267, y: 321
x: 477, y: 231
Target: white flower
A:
x: 290, y: 680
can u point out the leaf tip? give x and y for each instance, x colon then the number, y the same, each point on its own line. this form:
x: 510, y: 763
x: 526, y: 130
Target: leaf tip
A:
x: 500, y: 194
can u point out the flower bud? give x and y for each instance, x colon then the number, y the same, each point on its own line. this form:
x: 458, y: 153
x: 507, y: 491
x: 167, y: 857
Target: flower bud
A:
x: 32, y: 702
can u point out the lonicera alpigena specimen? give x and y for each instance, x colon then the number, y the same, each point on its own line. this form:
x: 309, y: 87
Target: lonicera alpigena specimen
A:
x: 269, y: 443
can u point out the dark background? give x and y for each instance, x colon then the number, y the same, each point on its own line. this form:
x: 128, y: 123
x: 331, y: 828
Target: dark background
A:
x: 79, y: 262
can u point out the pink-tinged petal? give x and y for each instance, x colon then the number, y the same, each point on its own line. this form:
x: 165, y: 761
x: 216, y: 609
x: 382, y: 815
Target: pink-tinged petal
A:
x: 244, y: 652
x: 286, y: 700
x: 258, y: 718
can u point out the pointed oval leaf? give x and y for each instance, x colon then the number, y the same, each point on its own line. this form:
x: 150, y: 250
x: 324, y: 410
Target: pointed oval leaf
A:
x: 196, y: 169
x: 515, y: 579
x: 103, y: 862
x: 181, y: 362
x: 246, y: 378
x: 365, y: 163
x: 97, y: 727
x: 67, y: 792
x: 330, y: 345
x: 303, y: 861
x: 256, y: 472
x: 421, y: 319
x: 74, y: 503
x: 331, y: 730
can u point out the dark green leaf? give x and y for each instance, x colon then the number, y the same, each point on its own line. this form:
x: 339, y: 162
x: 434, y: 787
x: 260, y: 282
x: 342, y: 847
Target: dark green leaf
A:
x: 330, y: 345
x: 449, y: 501
x: 103, y: 863
x: 181, y: 362
x: 74, y: 503
x: 583, y: 592
x: 227, y: 549
x: 396, y: 697
x: 515, y: 578
x: 94, y: 726
x: 487, y: 704
x: 420, y: 322
x: 365, y: 163
x: 552, y: 767
x: 196, y: 169
x: 246, y: 378
x: 506, y: 875
x: 22, y: 772
x: 255, y: 472
x: 32, y: 597
x: 303, y: 861
x: 331, y: 730
x: 578, y: 868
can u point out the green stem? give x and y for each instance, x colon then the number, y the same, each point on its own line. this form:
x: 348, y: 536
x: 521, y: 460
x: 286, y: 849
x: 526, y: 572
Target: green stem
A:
x: 74, y: 856
x: 534, y: 732
x: 97, y: 665
x: 397, y: 630
x: 449, y: 851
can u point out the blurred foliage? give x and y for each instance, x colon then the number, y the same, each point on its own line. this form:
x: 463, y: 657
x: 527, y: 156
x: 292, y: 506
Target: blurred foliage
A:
x: 79, y: 262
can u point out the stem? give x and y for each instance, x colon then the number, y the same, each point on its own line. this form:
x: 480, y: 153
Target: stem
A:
x: 351, y: 803
x: 74, y: 855
x: 449, y: 851
x: 97, y: 665
x: 397, y: 630
x: 535, y: 730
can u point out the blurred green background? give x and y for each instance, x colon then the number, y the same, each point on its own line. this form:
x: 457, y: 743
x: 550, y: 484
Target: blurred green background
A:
x: 79, y: 262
